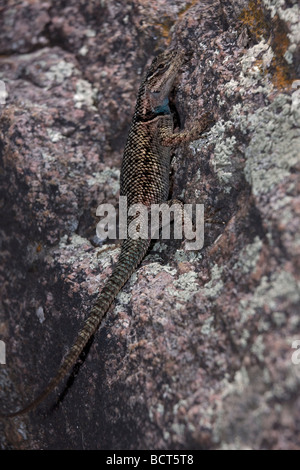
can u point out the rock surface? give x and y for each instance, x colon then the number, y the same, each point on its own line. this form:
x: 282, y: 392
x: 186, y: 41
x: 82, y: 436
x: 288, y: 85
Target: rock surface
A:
x: 197, y: 352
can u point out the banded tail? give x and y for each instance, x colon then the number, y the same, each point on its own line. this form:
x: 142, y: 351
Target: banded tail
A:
x: 132, y: 253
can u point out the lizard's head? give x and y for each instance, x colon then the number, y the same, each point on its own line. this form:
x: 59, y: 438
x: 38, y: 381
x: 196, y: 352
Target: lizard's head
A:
x: 158, y: 82
x: 163, y: 70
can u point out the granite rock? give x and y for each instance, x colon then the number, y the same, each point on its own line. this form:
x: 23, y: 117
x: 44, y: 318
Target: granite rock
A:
x: 199, y: 349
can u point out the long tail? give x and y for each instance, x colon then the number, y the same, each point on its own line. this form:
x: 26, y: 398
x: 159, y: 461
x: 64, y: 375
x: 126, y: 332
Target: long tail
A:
x: 132, y: 253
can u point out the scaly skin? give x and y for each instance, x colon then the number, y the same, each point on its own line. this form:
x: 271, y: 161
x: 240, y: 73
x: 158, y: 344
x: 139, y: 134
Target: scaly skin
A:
x: 144, y: 179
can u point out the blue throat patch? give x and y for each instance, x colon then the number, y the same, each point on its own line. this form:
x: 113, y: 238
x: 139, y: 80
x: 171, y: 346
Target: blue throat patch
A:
x: 163, y: 108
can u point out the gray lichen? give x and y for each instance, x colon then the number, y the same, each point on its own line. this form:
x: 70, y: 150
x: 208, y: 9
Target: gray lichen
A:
x: 249, y: 256
x: 290, y: 16
x: 275, y: 141
x: 281, y: 285
x: 85, y: 95
x: 109, y: 176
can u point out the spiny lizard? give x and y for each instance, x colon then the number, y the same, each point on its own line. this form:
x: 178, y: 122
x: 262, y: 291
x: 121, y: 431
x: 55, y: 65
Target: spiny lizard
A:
x: 144, y: 179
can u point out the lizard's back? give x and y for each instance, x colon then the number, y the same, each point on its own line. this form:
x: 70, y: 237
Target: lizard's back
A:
x: 146, y: 162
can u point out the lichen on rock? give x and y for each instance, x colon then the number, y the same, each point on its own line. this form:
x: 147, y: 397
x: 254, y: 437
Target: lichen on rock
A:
x: 197, y: 351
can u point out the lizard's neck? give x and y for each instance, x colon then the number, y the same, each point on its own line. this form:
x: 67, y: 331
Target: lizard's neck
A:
x: 164, y: 108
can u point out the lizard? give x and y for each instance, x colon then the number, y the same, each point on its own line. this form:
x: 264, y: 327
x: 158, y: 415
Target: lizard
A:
x: 144, y: 178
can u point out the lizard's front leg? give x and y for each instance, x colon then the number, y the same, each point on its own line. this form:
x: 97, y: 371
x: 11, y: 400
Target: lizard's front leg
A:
x: 170, y: 139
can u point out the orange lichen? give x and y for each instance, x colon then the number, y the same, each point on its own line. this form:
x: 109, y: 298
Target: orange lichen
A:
x: 187, y: 7
x: 283, y: 76
x: 166, y: 25
x: 255, y: 18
